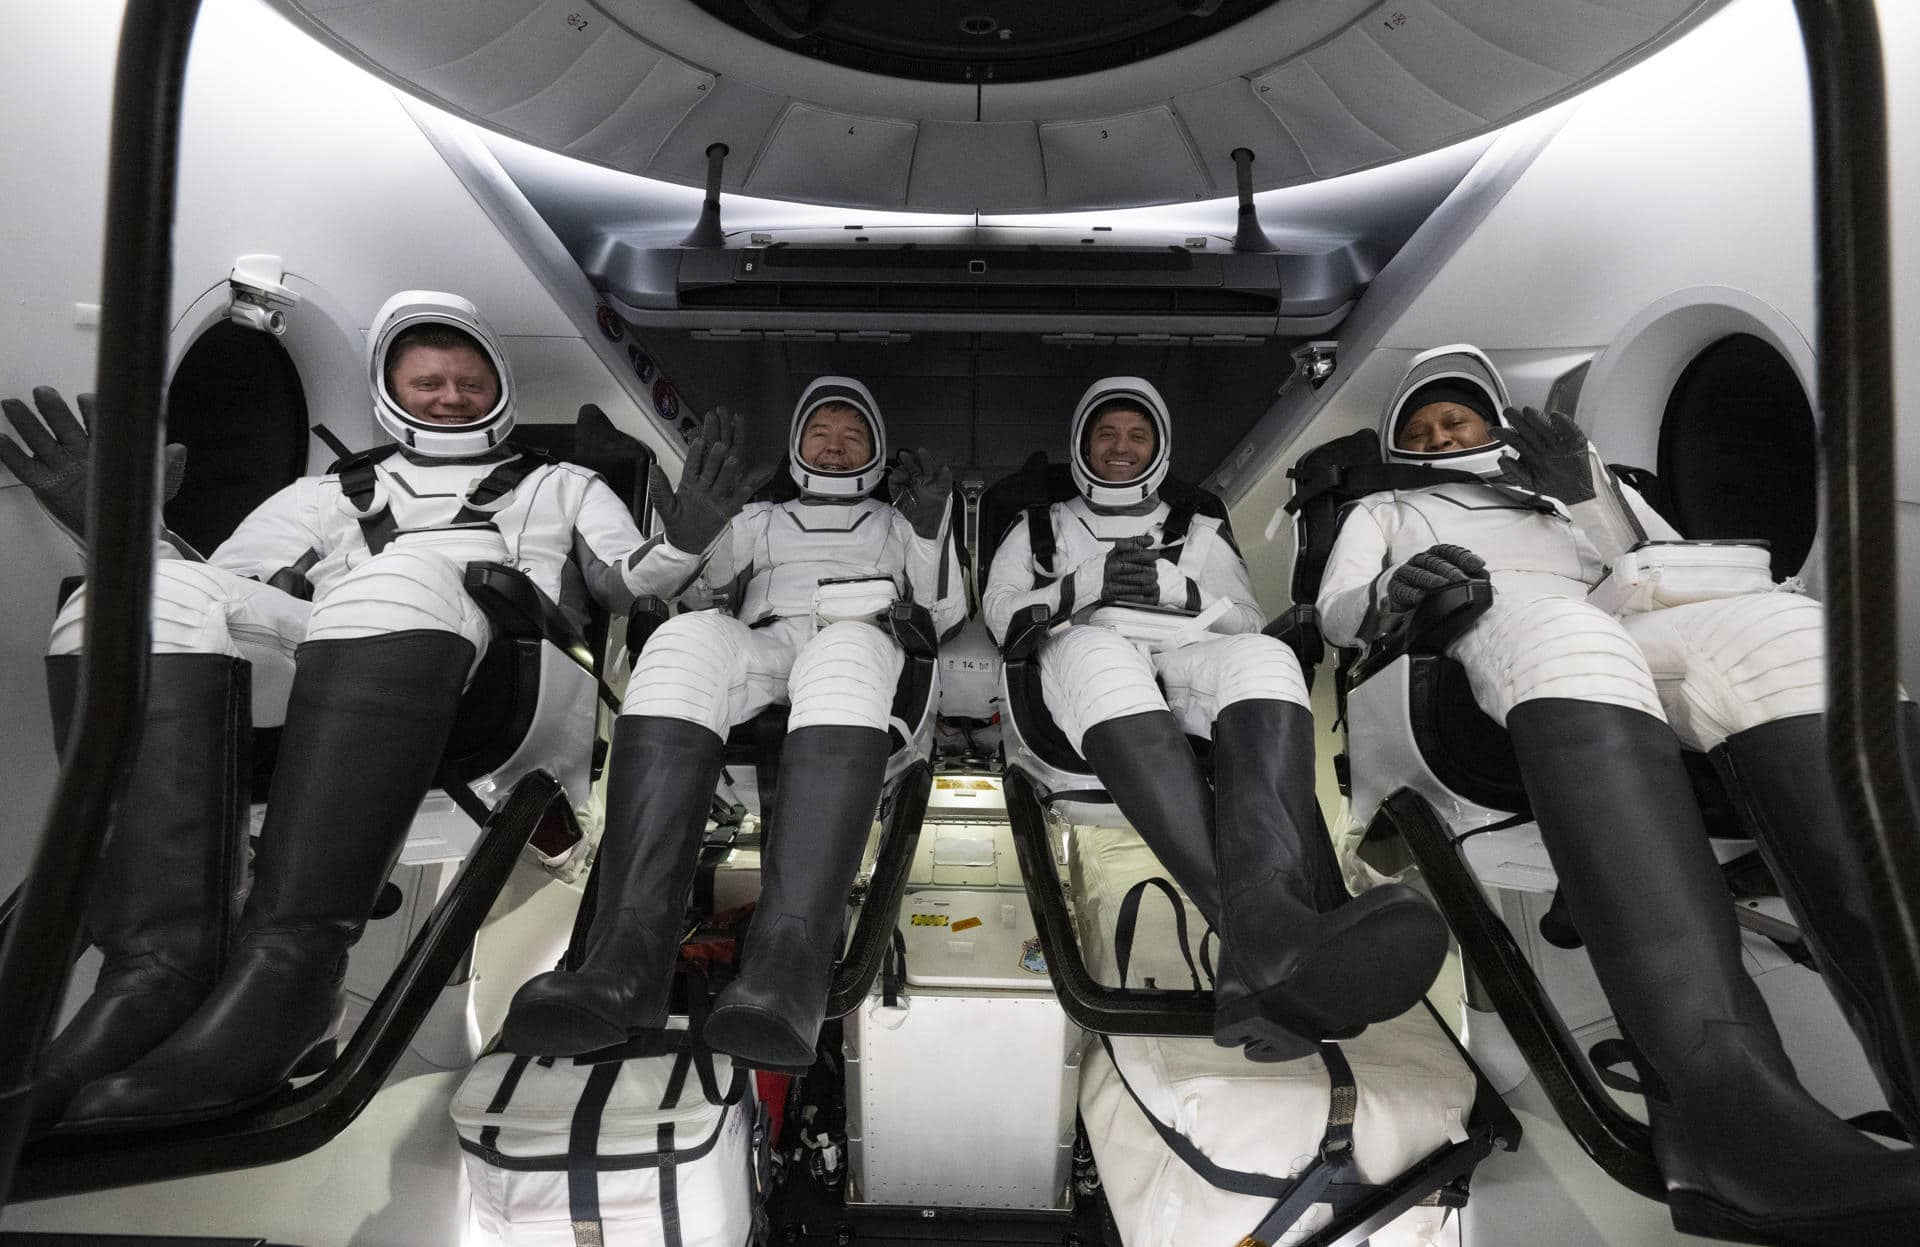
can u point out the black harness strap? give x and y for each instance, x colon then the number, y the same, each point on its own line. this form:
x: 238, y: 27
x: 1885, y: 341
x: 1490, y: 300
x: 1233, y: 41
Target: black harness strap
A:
x: 583, y: 1153
x: 1129, y: 919
x: 497, y: 484
x: 669, y: 1185
x: 1040, y: 544
x: 1357, y: 480
x: 358, y: 481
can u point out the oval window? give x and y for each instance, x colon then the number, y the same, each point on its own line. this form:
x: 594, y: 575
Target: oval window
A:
x: 237, y: 405
x: 1739, y: 452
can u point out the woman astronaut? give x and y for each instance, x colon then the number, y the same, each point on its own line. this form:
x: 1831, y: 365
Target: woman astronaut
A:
x: 1598, y: 708
x: 1297, y: 965
x: 339, y: 602
x: 810, y: 576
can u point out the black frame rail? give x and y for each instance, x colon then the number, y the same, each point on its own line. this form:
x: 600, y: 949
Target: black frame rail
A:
x: 298, y: 1120
x: 123, y: 517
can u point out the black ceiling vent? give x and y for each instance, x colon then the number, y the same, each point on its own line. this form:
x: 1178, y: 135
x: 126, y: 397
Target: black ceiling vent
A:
x: 981, y: 40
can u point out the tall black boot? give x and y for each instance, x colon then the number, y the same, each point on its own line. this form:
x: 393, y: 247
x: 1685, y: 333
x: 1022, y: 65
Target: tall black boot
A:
x: 1779, y: 775
x: 660, y: 786
x: 1290, y: 954
x: 367, y: 722
x: 165, y: 890
x: 830, y: 779
x: 1745, y: 1151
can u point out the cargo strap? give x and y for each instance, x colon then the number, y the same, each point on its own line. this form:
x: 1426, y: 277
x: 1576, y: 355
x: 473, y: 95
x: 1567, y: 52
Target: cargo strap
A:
x: 1129, y: 919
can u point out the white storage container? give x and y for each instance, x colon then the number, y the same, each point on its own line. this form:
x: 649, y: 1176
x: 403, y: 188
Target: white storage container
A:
x: 668, y: 1166
x: 962, y: 1094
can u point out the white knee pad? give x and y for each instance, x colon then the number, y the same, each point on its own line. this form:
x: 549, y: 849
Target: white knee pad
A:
x: 844, y: 676
x: 1089, y: 675
x: 691, y: 668
x: 399, y: 590
x: 1252, y: 667
x: 1553, y: 647
x: 190, y: 602
x: 1728, y: 665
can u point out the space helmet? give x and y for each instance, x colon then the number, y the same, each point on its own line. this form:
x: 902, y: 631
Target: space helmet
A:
x: 411, y: 309
x: 1137, y: 392
x: 822, y: 483
x: 1449, y: 374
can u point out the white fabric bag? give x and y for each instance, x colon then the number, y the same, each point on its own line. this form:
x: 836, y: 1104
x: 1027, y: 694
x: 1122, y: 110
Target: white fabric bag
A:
x: 633, y: 1152
x: 1673, y: 573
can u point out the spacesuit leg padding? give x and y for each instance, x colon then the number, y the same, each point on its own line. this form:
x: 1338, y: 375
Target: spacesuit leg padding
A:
x: 844, y: 677
x: 1739, y: 1141
x: 399, y: 590
x: 660, y: 780
x: 830, y: 777
x: 1531, y: 647
x: 1091, y: 675
x: 366, y: 726
x: 1205, y: 677
x: 710, y: 669
x: 1734, y: 663
x: 164, y: 892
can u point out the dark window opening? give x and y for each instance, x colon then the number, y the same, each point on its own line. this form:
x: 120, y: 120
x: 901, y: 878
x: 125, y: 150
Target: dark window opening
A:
x: 237, y: 405
x: 1739, y: 451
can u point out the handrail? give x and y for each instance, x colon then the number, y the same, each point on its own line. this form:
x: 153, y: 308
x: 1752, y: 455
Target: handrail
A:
x: 873, y: 931
x: 295, y: 1122
x: 1088, y: 1002
x: 1847, y: 80
x: 123, y: 517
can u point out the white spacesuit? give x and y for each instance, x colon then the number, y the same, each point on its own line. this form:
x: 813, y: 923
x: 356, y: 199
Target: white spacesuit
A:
x: 810, y: 579
x: 1598, y: 707
x: 1297, y: 964
x: 339, y: 603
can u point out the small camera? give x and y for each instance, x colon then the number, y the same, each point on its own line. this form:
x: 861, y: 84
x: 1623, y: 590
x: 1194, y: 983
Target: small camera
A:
x: 252, y: 315
x: 260, y: 294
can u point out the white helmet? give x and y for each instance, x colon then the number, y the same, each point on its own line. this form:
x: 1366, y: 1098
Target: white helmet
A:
x: 824, y: 483
x: 411, y: 309
x: 1138, y: 392
x: 1460, y: 374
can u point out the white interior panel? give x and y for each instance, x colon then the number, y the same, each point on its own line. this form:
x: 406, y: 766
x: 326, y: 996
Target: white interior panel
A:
x: 1478, y: 74
x: 409, y: 38
x: 729, y: 112
x: 1572, y: 37
x: 1331, y: 138
x: 1229, y: 114
x: 1140, y: 158
x: 1384, y: 96
x: 998, y: 166
x: 817, y: 154
x: 540, y: 50
x: 634, y: 131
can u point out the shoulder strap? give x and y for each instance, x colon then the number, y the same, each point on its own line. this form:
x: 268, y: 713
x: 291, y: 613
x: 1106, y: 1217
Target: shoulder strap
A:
x: 491, y: 490
x: 1040, y: 543
x: 358, y: 481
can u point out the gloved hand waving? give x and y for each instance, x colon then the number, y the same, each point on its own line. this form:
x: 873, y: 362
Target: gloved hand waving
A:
x: 1129, y: 574
x: 1553, y: 455
x: 920, y: 487
x: 714, y: 484
x: 53, y: 464
x: 1430, y: 571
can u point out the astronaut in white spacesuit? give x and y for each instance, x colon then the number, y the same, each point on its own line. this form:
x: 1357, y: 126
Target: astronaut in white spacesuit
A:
x: 336, y: 607
x: 1598, y: 707
x: 1300, y: 961
x: 810, y: 579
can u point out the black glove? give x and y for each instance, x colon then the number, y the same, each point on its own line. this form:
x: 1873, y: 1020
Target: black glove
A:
x: 54, y: 463
x: 1129, y: 574
x: 920, y: 487
x: 1430, y: 571
x: 1553, y: 455
x: 714, y: 485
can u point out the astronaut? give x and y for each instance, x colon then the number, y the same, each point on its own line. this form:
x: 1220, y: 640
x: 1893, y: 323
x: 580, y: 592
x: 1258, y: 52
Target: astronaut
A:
x: 1598, y: 708
x: 336, y: 607
x: 810, y: 579
x: 1300, y: 961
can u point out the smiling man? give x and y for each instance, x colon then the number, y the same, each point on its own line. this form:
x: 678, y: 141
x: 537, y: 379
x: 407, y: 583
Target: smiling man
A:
x: 1298, y: 963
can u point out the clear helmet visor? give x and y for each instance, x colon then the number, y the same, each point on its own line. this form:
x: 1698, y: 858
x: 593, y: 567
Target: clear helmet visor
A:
x: 1111, y: 394
x: 836, y: 480
x: 422, y: 318
x: 1460, y: 375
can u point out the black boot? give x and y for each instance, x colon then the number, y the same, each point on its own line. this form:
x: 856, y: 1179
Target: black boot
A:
x: 1778, y: 773
x: 1291, y: 955
x: 367, y: 722
x: 1746, y: 1152
x: 164, y: 894
x: 830, y: 780
x: 660, y: 786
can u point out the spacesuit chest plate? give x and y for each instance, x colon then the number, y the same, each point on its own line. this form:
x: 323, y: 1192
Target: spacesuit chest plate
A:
x: 804, y: 543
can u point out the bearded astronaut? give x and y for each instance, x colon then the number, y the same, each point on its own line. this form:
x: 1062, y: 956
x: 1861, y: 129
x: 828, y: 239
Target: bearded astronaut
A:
x: 336, y: 607
x: 1598, y: 707
x: 1299, y: 961
x: 812, y: 577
